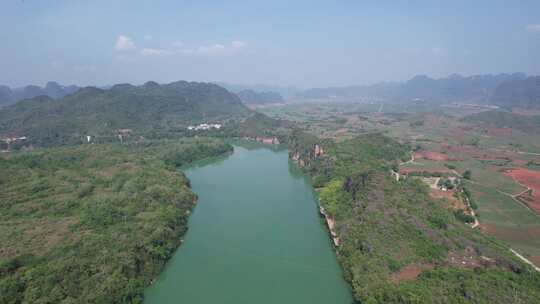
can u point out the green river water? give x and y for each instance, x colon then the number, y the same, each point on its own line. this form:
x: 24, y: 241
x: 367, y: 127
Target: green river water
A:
x: 254, y: 237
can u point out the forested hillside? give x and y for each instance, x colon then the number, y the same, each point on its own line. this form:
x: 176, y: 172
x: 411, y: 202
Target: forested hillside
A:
x: 397, y: 244
x: 93, y: 223
x: 138, y: 110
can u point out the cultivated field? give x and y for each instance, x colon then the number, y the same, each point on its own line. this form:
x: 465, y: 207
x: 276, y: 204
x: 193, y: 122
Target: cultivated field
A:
x: 504, y: 162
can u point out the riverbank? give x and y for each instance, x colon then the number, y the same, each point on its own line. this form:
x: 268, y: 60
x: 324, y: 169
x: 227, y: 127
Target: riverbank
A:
x: 254, y: 237
x: 118, y: 212
x: 388, y: 227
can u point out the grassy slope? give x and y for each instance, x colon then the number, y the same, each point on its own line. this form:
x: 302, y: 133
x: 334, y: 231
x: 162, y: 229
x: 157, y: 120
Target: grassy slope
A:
x: 92, y: 223
x: 386, y: 226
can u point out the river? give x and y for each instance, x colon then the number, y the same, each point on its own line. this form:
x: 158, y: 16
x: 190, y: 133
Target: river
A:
x: 254, y: 237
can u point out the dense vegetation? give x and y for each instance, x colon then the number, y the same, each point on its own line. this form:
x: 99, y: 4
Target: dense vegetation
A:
x: 144, y: 110
x: 399, y: 245
x: 257, y: 125
x: 93, y: 223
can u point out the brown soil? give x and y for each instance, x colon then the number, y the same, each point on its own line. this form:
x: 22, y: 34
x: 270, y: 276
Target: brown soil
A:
x: 410, y: 272
x: 518, y: 234
x: 479, y: 153
x: 403, y: 170
x: 527, y: 177
x: 530, y: 179
x: 123, y: 167
x: 453, y: 201
x: 467, y: 258
x: 499, y: 131
x: 532, y: 200
x: 431, y: 155
x: 458, y: 133
x: 45, y: 234
x: 535, y: 260
x: 519, y: 162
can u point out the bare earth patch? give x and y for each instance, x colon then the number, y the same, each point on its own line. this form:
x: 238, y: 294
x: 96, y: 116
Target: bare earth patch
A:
x: 449, y: 196
x: 405, y: 170
x: 467, y: 258
x: 530, y: 179
x: 431, y: 155
x: 506, y: 233
x: 409, y: 272
x: 535, y: 260
x: 499, y: 132
x: 45, y: 234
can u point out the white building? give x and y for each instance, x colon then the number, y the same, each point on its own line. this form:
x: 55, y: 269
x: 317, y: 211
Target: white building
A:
x: 204, y: 126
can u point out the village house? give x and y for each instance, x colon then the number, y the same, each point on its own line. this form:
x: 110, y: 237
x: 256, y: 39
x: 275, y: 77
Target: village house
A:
x: 12, y: 139
x: 204, y: 127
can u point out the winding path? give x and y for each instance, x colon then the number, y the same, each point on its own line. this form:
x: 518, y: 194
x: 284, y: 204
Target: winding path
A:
x: 524, y: 259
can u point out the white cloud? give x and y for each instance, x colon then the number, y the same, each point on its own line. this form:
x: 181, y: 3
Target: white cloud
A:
x: 124, y: 43
x: 148, y: 37
x: 237, y: 44
x: 533, y: 28
x: 155, y: 52
x: 214, y: 49
x: 218, y: 49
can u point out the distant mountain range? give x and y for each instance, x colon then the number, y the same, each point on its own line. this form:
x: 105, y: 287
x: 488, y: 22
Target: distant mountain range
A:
x: 284, y: 91
x: 51, y: 89
x: 252, y: 97
x: 102, y: 112
x: 505, y: 90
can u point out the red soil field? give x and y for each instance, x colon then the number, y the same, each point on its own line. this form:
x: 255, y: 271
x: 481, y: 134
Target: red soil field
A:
x: 507, y: 233
x: 530, y: 179
x: 531, y: 200
x: 431, y: 155
x: 535, y: 260
x: 526, y: 177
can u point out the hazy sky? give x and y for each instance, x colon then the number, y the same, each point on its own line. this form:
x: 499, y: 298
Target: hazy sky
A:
x: 294, y: 42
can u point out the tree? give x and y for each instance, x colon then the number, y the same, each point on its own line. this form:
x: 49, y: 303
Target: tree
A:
x: 467, y: 174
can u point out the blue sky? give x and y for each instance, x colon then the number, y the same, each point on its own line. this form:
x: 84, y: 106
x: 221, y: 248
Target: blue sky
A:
x: 301, y: 43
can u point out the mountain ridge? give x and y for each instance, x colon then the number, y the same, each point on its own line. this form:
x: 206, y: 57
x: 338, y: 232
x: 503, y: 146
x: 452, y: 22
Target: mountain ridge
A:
x: 52, y: 89
x: 505, y: 90
x: 99, y: 112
